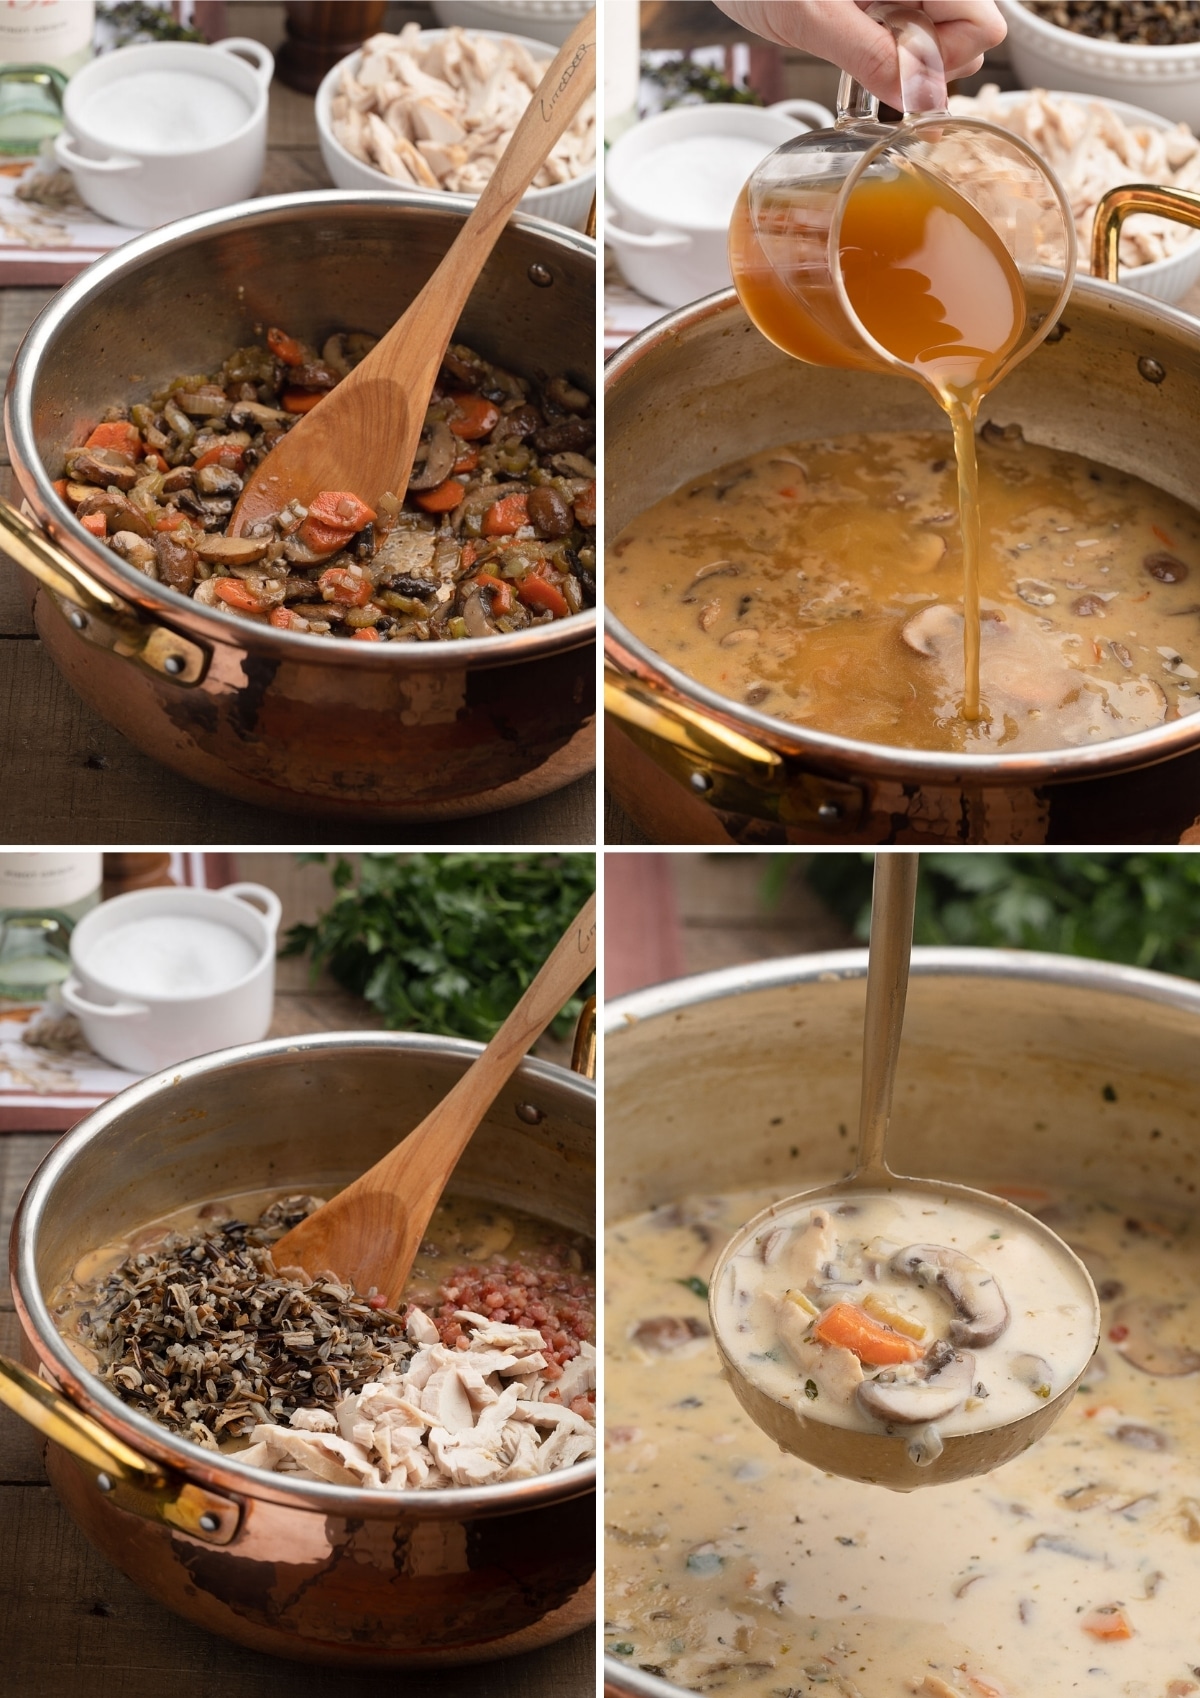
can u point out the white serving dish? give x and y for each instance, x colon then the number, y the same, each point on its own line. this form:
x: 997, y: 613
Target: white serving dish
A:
x: 150, y: 1030
x: 563, y: 203
x: 1165, y: 279
x: 548, y: 20
x: 674, y: 253
x: 1165, y: 80
x: 169, y: 177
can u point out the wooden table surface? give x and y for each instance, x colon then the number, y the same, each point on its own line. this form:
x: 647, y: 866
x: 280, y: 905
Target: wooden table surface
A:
x: 65, y: 774
x: 71, y: 1626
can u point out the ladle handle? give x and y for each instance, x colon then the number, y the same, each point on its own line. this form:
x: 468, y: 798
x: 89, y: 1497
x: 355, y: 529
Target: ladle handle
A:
x: 893, y: 901
x: 922, y: 72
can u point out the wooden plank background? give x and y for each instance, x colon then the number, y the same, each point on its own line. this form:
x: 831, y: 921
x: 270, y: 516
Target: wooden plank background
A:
x: 65, y: 774
x: 70, y: 1625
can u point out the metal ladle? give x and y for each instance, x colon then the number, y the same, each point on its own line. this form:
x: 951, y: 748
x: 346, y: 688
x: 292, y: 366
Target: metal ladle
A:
x: 883, y: 1457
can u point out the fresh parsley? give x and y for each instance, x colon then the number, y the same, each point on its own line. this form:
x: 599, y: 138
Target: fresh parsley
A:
x: 695, y: 1285
x: 446, y: 943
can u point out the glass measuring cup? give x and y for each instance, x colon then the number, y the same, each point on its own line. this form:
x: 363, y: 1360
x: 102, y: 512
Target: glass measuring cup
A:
x: 940, y: 248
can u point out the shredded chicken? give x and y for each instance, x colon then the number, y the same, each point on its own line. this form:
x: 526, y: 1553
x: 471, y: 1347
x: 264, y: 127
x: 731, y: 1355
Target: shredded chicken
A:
x: 436, y: 109
x: 1093, y: 150
x: 449, y: 1417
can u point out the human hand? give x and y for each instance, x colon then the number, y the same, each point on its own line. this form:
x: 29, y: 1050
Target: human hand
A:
x: 840, y: 31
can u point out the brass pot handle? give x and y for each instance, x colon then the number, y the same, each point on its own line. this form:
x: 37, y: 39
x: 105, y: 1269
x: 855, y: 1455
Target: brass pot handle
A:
x: 93, y: 610
x: 121, y: 1474
x: 1180, y: 205
x: 724, y: 767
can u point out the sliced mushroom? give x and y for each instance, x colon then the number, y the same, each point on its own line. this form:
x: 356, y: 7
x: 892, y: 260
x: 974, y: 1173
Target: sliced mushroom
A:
x: 979, y: 1305
x: 232, y: 551
x: 136, y: 551
x: 933, y: 630
x: 930, y: 1392
x: 1032, y: 1371
x: 436, y: 455
x: 664, y: 1334
x: 1137, y: 1332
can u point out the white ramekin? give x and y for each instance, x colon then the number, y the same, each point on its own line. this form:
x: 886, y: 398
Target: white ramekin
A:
x: 563, y: 203
x: 548, y: 20
x: 1166, y: 279
x: 663, y: 257
x: 1165, y: 80
x: 152, y: 1031
x: 145, y: 187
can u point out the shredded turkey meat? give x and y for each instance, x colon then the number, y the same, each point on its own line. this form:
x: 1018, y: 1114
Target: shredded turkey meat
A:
x: 451, y: 1417
x: 1093, y: 150
x: 436, y: 110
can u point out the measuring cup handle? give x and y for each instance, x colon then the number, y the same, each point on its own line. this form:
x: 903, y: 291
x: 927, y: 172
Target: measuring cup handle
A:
x: 922, y: 73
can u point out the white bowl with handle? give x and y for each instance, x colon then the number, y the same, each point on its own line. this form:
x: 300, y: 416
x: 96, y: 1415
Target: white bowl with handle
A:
x: 671, y: 184
x: 1165, y: 80
x: 563, y: 203
x: 142, y: 1006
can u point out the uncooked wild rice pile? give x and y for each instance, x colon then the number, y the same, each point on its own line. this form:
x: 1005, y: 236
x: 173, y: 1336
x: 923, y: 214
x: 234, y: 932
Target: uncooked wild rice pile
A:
x: 1138, y: 23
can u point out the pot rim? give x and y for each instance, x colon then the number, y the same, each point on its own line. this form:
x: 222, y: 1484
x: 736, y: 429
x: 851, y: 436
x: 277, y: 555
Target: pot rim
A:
x: 212, y: 1471
x: 826, y: 749
x: 119, y: 268
x: 626, y: 1013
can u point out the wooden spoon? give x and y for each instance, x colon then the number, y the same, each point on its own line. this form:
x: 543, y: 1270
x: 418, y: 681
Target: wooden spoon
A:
x: 370, y: 1232
x: 363, y: 435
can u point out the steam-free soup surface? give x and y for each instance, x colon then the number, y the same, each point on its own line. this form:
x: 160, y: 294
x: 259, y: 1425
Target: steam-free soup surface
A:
x: 735, y: 1568
x: 821, y: 582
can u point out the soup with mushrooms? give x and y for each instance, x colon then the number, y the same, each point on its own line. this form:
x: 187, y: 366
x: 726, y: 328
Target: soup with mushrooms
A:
x: 484, y: 1372
x: 735, y: 1568
x: 821, y: 583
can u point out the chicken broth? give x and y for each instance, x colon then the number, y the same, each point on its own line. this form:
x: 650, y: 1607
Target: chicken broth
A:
x: 733, y: 1567
x: 850, y: 1315
x: 821, y: 583
x: 485, y: 1371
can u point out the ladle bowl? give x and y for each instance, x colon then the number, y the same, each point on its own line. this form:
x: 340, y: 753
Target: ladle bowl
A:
x: 883, y: 1458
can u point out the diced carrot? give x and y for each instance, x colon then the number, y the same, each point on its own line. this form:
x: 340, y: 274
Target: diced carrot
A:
x: 443, y: 499
x: 1107, y: 1622
x: 220, y: 454
x: 322, y: 539
x: 341, y: 510
x: 170, y: 520
x: 348, y: 589
x: 60, y: 488
x: 501, y: 592
x: 285, y: 347
x: 234, y: 593
x: 789, y: 494
x: 1167, y: 541
x: 585, y: 504
x: 980, y: 1685
x: 471, y: 551
x: 853, y: 1329
x: 505, y: 516
x: 96, y: 523
x: 473, y: 417
x: 539, y: 595
x: 120, y: 434
x: 467, y: 460
x: 301, y: 400
x: 284, y: 619
x: 367, y: 634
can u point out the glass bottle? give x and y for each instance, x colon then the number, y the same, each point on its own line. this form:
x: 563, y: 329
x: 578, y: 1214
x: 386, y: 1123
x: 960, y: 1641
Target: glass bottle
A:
x: 42, y: 895
x: 42, y: 44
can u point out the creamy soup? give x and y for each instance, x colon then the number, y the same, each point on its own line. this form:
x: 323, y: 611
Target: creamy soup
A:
x: 821, y: 582
x: 853, y: 1317
x: 735, y: 1568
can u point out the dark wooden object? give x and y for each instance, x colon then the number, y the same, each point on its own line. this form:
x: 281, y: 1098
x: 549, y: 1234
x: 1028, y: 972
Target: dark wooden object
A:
x: 319, y: 33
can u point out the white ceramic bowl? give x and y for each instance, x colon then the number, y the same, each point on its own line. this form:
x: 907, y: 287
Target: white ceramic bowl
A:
x: 1166, y: 279
x: 671, y: 251
x: 548, y: 20
x: 1165, y: 80
x: 150, y: 1030
x: 563, y: 203
x: 170, y: 176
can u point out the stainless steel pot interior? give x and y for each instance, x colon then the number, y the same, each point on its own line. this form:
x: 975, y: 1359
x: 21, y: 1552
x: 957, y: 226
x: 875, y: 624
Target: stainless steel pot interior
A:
x: 1118, y: 381
x: 306, y: 1113
x: 180, y: 298
x: 1014, y: 1065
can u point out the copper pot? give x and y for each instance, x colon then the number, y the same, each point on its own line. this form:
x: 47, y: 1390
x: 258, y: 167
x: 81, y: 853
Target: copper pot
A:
x: 750, y: 1075
x: 388, y: 731
x: 296, y: 1568
x: 1118, y: 379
